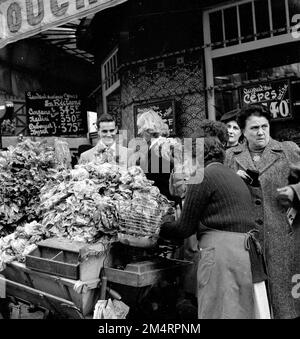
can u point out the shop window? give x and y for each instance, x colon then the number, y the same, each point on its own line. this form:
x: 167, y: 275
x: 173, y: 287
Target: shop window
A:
x: 110, y: 71
x: 226, y: 101
x: 281, y: 60
x: 262, y: 19
x: 216, y: 28
x: 109, y: 76
x: 278, y: 16
x: 231, y: 26
x: 246, y: 22
x: 251, y: 20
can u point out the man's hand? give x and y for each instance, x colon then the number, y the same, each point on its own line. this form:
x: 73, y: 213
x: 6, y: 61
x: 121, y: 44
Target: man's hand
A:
x: 168, y: 218
x: 285, y: 195
x: 100, y: 148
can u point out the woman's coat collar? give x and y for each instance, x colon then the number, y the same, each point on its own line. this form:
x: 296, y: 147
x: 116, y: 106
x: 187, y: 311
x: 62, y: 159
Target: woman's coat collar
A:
x: 270, y: 155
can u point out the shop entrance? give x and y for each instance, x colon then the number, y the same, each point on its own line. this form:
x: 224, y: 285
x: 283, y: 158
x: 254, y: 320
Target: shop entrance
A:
x: 247, y: 42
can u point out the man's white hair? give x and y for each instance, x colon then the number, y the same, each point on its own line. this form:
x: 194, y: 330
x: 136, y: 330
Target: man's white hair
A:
x: 151, y: 122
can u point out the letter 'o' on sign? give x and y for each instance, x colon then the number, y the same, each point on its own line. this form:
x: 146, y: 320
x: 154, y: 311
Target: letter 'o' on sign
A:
x: 14, y: 17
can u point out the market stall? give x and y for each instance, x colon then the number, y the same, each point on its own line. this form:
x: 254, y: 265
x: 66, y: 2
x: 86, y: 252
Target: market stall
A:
x: 66, y: 232
x: 58, y: 277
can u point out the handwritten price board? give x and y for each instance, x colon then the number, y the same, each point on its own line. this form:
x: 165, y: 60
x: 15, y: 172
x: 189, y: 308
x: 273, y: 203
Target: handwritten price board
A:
x: 273, y: 94
x: 55, y: 114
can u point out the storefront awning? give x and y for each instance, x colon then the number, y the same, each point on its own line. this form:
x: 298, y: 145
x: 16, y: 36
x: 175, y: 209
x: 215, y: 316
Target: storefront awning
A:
x: 21, y: 19
x: 65, y: 38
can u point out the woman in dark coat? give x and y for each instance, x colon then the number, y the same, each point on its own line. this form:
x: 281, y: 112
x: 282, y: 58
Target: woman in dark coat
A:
x: 230, y: 274
x: 271, y: 161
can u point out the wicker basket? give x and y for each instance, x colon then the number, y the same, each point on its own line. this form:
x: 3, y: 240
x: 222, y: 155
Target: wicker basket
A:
x: 139, y: 225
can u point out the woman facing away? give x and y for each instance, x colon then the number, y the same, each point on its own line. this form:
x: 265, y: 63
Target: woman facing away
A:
x: 230, y: 274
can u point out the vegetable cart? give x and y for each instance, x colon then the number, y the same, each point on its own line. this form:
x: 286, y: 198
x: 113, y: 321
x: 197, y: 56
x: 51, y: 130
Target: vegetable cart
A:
x: 59, y: 276
x: 70, y: 289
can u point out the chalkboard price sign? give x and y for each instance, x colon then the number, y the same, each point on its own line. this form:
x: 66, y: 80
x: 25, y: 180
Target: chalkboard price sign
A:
x: 55, y: 114
x: 275, y: 95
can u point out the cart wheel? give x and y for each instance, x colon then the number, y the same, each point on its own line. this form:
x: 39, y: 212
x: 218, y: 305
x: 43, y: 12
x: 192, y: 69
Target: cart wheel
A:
x: 72, y: 312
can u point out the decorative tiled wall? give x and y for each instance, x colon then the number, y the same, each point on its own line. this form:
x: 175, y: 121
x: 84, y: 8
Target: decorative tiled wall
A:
x: 114, y: 107
x: 180, y: 78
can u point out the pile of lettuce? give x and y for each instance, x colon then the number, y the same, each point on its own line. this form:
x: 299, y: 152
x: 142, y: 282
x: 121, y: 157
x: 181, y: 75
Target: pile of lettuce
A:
x: 24, y: 170
x: 39, y: 200
x: 87, y: 204
x: 18, y: 244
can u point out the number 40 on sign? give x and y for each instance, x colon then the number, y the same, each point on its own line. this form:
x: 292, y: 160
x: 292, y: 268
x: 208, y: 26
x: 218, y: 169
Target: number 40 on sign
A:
x: 279, y: 109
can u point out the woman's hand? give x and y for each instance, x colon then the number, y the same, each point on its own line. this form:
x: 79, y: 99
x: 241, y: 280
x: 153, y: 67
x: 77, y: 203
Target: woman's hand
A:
x: 285, y: 195
x: 244, y: 176
x: 177, y: 185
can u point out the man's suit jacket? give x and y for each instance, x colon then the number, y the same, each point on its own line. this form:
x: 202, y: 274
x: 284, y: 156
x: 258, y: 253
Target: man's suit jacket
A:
x: 119, y: 154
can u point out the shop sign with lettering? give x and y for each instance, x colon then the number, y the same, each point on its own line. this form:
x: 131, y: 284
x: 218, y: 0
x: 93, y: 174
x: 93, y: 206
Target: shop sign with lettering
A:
x: 273, y: 94
x: 20, y: 19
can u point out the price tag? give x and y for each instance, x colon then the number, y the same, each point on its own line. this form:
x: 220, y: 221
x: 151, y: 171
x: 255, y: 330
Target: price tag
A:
x: 2, y: 287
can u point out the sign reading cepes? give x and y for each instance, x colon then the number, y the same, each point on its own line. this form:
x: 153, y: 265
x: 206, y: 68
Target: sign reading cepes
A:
x: 273, y: 94
x: 20, y: 19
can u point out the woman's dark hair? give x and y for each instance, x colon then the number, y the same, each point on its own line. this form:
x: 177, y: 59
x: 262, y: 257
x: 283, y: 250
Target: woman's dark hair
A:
x: 210, y: 128
x: 213, y: 150
x: 256, y: 110
x: 215, y: 139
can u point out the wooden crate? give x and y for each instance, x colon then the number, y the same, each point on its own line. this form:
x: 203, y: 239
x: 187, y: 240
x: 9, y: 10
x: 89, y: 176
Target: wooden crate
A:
x: 69, y: 259
x: 147, y: 273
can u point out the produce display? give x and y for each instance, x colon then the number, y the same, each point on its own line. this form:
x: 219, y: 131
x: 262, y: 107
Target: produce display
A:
x: 17, y: 245
x: 24, y: 169
x: 88, y: 206
x: 88, y: 203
